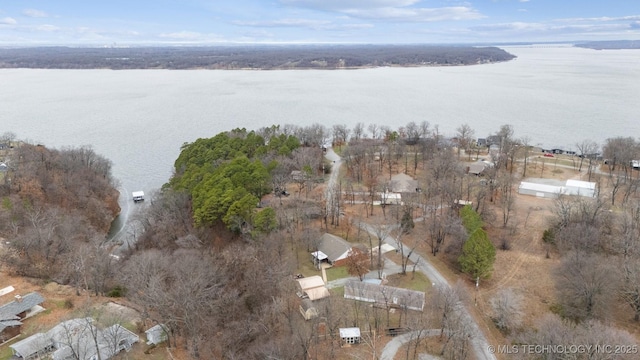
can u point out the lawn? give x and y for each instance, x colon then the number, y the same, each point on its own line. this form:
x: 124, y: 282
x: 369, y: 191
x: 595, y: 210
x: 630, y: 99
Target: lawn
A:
x: 305, y: 264
x: 413, y: 281
x: 337, y: 272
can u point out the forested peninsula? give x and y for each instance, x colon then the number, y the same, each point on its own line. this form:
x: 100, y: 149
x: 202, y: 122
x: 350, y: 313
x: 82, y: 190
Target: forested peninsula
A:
x: 249, y: 57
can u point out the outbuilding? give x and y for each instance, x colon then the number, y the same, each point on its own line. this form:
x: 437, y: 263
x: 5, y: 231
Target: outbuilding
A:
x: 540, y: 190
x: 313, y: 287
x: 350, y: 336
x: 157, y: 334
x: 580, y: 188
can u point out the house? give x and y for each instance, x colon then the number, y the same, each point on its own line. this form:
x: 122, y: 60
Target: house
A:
x: 477, y: 168
x: 12, y: 314
x: 389, y: 198
x: 313, y: 287
x: 77, y: 339
x: 331, y: 249
x: 350, y: 336
x: 384, y: 296
x: 33, y: 347
x: 403, y: 183
x: 3, y: 166
x: 157, y: 334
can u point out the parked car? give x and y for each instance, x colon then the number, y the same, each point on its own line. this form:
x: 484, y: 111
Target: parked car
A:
x: 548, y: 155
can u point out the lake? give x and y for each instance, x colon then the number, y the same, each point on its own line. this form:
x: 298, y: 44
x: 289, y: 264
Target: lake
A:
x: 555, y: 95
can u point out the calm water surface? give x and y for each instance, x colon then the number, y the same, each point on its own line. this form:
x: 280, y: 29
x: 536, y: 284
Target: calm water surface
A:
x: 556, y: 96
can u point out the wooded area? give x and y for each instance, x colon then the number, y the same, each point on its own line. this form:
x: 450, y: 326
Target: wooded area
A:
x: 222, y: 240
x: 249, y: 57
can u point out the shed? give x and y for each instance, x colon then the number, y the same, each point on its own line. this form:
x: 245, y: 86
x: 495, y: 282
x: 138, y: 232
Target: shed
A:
x: 157, y: 334
x: 332, y: 249
x: 308, y: 309
x: 384, y: 248
x: 350, y: 335
x: 313, y: 287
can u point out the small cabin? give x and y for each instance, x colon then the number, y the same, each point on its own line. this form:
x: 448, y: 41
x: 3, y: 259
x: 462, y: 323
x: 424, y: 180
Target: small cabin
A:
x: 138, y: 196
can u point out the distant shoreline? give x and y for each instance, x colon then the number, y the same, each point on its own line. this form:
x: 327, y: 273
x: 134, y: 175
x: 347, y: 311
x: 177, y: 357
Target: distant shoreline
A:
x: 308, y: 57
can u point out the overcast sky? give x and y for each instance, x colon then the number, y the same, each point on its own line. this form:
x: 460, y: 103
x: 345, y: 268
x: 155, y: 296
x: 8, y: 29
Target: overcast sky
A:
x: 208, y: 22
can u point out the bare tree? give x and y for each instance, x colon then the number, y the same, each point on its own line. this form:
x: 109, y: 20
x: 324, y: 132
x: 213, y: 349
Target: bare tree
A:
x: 586, y: 284
x: 587, y: 149
x: 358, y: 131
x: 381, y: 231
x: 630, y: 284
x: 465, y: 138
x: 340, y: 134
x: 507, y: 309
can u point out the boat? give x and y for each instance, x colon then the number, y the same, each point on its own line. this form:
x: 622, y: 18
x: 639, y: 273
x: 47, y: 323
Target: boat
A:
x: 138, y: 196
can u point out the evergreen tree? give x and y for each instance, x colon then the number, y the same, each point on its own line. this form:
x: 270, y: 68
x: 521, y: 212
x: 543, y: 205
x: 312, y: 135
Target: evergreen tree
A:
x: 478, y: 255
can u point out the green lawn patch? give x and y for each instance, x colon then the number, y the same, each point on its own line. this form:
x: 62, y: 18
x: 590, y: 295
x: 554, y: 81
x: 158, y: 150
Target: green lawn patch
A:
x: 336, y: 273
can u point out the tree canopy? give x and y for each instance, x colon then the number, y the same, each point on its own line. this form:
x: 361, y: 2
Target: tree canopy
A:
x: 226, y: 175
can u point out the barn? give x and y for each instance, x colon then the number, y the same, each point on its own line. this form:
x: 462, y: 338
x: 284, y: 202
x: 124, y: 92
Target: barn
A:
x: 540, y: 190
x: 580, y: 188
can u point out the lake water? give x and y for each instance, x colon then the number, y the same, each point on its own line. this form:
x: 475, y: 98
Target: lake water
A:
x: 556, y: 96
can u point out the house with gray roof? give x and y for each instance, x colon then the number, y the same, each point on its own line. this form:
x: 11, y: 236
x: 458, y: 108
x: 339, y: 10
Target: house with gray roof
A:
x: 76, y: 339
x: 12, y: 314
x: 331, y: 249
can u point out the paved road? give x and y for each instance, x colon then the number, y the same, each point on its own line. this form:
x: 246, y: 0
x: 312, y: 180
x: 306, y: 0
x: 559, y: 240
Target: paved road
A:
x: 479, y: 342
x: 392, y: 347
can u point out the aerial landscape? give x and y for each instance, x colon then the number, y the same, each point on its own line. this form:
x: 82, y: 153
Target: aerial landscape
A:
x: 307, y: 179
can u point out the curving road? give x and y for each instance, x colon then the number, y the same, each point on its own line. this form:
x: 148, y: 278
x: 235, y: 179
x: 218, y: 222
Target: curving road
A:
x: 479, y: 342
